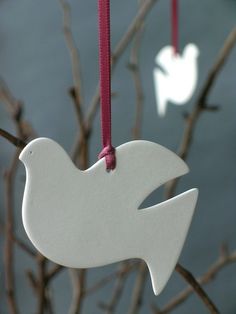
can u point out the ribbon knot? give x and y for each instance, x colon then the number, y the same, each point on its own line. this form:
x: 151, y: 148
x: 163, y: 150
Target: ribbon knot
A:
x: 109, y: 153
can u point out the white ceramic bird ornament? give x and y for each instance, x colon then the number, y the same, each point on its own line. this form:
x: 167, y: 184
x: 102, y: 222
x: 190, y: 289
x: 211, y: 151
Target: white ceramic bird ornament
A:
x: 175, y: 77
x: 91, y: 218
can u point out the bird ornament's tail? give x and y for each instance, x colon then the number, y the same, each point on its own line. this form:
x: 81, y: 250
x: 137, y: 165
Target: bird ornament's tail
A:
x: 166, y: 241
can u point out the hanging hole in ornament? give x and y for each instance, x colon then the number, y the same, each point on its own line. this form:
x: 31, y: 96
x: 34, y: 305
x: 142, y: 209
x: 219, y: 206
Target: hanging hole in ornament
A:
x: 31, y: 152
x: 110, y: 170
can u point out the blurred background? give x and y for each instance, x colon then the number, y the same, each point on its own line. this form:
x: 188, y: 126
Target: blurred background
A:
x: 35, y: 64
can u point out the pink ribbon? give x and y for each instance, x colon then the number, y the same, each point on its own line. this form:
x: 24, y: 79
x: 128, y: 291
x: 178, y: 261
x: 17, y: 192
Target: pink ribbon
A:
x: 175, y: 25
x: 105, y: 83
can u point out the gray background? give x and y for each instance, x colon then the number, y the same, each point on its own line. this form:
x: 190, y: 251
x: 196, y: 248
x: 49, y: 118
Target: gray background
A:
x: 34, y: 62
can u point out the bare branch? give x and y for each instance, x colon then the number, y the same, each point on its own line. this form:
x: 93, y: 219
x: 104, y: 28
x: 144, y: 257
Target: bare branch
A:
x: 133, y: 28
x: 137, y: 295
x: 54, y: 271
x: 101, y: 283
x: 24, y: 246
x: 15, y: 108
x: 134, y: 68
x: 21, y: 244
x: 197, y: 288
x: 201, y: 104
x: 78, y: 279
x: 110, y: 307
x: 12, y: 139
x: 9, y: 242
x: 74, y: 55
x: 41, y: 284
x: 223, y: 261
x: 78, y: 156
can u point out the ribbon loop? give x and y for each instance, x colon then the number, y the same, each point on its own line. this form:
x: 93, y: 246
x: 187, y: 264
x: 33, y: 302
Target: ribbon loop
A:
x: 105, y: 82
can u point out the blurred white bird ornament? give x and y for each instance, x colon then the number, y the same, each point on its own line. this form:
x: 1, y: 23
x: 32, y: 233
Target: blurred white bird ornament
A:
x: 175, y: 77
x: 90, y: 218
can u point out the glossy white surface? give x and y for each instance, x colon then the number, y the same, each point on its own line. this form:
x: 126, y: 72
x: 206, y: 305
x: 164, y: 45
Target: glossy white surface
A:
x: 90, y: 218
x: 175, y: 77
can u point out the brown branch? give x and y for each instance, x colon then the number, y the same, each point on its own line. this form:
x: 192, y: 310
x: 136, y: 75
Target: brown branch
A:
x: 133, y: 28
x: 137, y: 294
x: 74, y: 56
x: 32, y: 280
x: 54, y: 271
x: 81, y: 143
x: 78, y: 279
x: 201, y: 104
x: 104, y: 281
x: 24, y: 131
x: 41, y: 286
x: 12, y: 139
x: 21, y: 244
x: 184, y: 149
x: 190, y: 279
x: 41, y: 283
x: 76, y: 94
x: 223, y: 261
x: 110, y: 307
x: 15, y: 108
x: 80, y: 157
x: 134, y: 68
x: 9, y: 239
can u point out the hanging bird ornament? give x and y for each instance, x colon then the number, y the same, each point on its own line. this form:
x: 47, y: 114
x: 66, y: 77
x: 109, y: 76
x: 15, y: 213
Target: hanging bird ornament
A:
x: 175, y: 75
x: 90, y: 218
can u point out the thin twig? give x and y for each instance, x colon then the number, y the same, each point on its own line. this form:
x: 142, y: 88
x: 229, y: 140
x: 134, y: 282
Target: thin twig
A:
x: 119, y: 286
x: 54, y: 271
x: 135, y: 70
x: 104, y: 281
x: 21, y: 244
x: 80, y: 157
x: 78, y: 279
x: 24, y: 131
x: 15, y: 108
x: 201, y: 104
x: 41, y: 284
x: 9, y: 241
x: 75, y: 92
x: 12, y: 139
x: 137, y: 294
x: 185, y: 145
x: 133, y: 28
x: 74, y: 56
x: 190, y: 279
x: 32, y: 280
x: 223, y: 261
